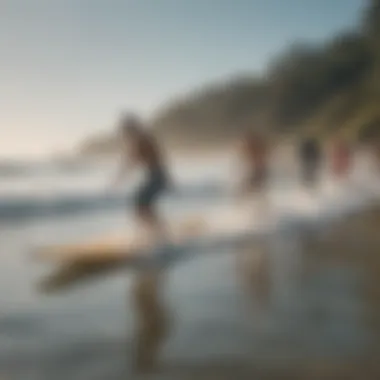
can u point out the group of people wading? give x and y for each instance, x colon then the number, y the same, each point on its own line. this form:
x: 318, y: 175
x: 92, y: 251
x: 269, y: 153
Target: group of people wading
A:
x: 141, y: 149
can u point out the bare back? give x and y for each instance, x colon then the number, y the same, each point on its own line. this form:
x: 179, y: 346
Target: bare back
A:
x: 146, y: 152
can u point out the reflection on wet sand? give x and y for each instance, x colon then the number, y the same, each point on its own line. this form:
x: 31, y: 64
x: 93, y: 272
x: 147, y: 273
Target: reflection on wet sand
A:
x: 151, y: 318
x: 253, y: 261
x: 254, y: 271
x: 322, y: 292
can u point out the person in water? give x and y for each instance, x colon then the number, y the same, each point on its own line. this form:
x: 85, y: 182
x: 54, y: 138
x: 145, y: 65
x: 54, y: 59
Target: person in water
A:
x: 254, y: 153
x: 375, y: 152
x: 310, y: 156
x: 140, y: 149
x: 340, y: 158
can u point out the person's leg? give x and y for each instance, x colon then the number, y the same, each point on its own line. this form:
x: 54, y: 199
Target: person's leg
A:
x: 150, y: 220
x: 147, y: 213
x: 305, y: 172
x: 311, y: 173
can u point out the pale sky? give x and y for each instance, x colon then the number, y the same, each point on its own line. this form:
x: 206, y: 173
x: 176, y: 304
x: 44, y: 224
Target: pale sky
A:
x: 68, y: 67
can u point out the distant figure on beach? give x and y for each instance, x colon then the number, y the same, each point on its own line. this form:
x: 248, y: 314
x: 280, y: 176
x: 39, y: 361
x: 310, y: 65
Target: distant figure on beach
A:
x: 254, y: 154
x: 310, y: 156
x: 376, y: 153
x: 140, y: 149
x: 340, y: 158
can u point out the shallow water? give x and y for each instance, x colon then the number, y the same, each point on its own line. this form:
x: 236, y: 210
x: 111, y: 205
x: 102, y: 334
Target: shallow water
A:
x: 219, y: 317
x: 210, y: 313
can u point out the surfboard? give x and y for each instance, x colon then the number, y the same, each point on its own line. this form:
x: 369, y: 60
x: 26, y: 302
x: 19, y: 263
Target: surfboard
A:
x: 115, y: 247
x: 128, y: 243
x: 70, y: 273
x: 74, y: 263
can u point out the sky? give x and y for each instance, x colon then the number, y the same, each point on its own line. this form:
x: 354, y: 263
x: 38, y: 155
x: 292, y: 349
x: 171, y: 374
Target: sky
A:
x: 69, y: 67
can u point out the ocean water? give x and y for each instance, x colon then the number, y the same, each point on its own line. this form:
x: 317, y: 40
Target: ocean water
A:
x: 92, y: 332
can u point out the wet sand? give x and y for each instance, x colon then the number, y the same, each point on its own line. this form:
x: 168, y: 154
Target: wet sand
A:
x: 307, y: 307
x: 314, y: 314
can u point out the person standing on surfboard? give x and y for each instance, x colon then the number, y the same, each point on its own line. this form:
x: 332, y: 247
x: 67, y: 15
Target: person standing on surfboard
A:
x: 140, y: 148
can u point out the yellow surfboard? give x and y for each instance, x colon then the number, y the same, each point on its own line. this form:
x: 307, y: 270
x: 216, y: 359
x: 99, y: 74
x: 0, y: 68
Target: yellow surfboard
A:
x: 116, y: 247
x: 74, y: 263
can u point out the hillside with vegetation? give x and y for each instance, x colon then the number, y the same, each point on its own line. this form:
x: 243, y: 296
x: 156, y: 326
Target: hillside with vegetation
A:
x: 309, y: 89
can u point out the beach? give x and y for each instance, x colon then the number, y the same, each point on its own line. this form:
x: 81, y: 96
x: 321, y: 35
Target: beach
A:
x: 289, y: 313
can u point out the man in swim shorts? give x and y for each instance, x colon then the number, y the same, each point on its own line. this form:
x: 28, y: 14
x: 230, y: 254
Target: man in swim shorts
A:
x: 139, y: 148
